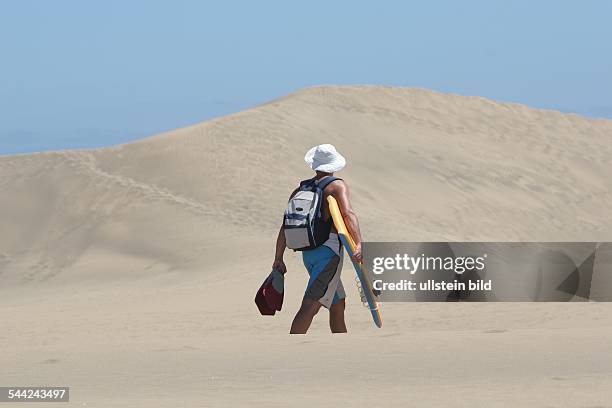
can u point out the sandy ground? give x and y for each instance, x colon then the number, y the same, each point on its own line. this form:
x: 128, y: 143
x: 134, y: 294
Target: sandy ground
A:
x: 128, y: 273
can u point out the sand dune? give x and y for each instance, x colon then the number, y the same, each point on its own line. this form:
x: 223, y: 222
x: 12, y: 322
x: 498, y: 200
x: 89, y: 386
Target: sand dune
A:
x: 130, y: 268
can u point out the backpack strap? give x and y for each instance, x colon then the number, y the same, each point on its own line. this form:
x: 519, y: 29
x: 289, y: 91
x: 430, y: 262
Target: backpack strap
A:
x: 325, y: 181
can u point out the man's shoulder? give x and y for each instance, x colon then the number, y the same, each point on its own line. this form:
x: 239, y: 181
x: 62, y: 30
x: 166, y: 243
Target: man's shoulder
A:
x: 335, y: 185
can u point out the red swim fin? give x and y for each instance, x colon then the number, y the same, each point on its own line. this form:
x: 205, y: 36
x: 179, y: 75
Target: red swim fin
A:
x: 275, y: 291
x: 261, y: 302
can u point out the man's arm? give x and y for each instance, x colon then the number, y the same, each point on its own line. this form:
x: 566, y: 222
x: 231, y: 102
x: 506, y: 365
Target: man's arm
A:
x: 341, y: 193
x: 281, y: 244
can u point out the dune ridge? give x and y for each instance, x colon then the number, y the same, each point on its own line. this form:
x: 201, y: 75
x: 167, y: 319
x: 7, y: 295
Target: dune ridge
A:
x: 422, y: 166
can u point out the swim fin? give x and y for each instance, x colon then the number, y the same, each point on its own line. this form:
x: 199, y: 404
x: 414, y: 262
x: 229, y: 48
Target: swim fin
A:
x: 269, y: 297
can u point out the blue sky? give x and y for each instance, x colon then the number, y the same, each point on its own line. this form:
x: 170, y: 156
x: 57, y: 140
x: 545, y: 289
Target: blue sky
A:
x: 85, y: 74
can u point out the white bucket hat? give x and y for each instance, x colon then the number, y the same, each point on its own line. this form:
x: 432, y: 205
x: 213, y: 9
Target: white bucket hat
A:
x: 325, y: 158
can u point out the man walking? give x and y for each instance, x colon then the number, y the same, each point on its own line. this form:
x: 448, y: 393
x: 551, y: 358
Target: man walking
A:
x: 322, y: 253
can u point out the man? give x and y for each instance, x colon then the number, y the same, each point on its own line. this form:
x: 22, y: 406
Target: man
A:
x: 324, y: 262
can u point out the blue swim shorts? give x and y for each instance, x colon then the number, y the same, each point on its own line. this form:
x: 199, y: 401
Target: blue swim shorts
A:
x: 324, y: 267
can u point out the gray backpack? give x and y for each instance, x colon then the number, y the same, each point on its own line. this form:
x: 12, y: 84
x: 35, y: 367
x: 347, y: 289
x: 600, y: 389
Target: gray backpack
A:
x: 303, y: 223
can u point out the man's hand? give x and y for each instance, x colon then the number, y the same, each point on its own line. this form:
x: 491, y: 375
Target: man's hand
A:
x: 357, y: 253
x: 279, y: 265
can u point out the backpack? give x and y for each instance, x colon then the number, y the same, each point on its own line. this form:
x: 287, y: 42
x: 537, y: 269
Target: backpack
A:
x: 303, y: 223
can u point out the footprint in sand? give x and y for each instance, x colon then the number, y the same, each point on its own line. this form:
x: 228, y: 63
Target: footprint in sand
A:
x: 496, y: 331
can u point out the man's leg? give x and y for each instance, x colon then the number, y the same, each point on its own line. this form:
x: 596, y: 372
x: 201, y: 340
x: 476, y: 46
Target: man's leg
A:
x: 336, y: 317
x: 303, y: 318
